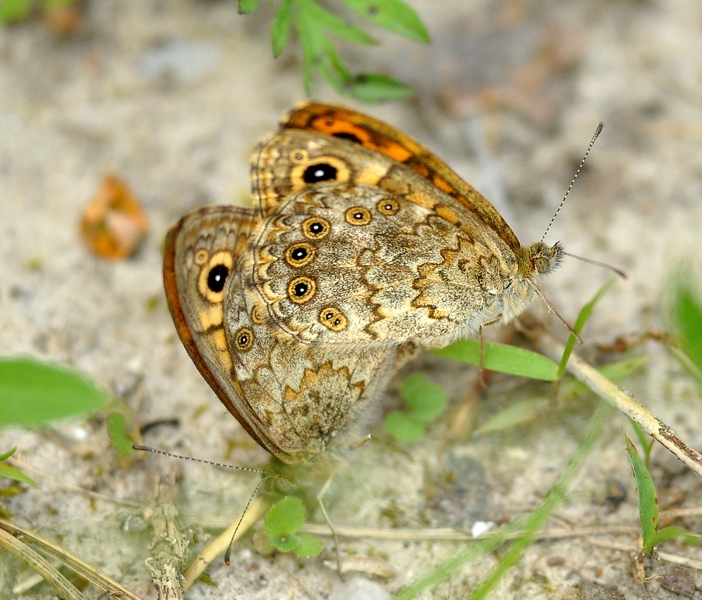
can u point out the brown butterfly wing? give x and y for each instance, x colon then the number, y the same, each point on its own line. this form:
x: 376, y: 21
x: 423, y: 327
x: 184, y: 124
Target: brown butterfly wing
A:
x: 428, y: 272
x: 204, y: 240
x: 376, y: 135
x: 293, y: 400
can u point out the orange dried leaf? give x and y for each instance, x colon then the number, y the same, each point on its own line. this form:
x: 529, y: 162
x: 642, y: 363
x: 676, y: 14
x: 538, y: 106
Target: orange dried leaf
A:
x: 114, y: 224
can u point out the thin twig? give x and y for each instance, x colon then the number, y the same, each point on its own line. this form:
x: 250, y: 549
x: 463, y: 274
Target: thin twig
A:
x: 253, y: 513
x: 624, y: 402
x: 453, y: 535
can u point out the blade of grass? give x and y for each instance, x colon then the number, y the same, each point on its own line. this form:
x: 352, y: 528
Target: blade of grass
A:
x: 70, y: 560
x: 583, y: 316
x: 625, y: 403
x: 502, y: 358
x: 10, y: 472
x: 531, y: 523
x: 687, y: 317
x: 646, y: 441
x: 555, y: 497
x: 648, y: 502
x: 518, y: 413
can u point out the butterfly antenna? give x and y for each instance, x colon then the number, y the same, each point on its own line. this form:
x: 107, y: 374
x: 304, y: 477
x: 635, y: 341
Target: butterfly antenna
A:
x: 572, y: 181
x: 228, y: 553
x: 597, y: 263
x: 197, y: 460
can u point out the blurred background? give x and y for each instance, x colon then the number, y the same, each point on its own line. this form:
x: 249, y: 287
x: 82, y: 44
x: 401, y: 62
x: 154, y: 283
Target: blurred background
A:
x: 170, y: 98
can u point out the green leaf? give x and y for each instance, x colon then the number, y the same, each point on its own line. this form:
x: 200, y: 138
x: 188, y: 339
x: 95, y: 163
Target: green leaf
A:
x: 315, y: 24
x: 282, y: 23
x: 285, y: 518
x: 332, y: 67
x: 425, y: 399
x: 645, y: 440
x: 687, y: 317
x: 502, y: 358
x: 13, y: 473
x: 648, y: 508
x: 34, y: 393
x: 371, y: 87
x: 648, y: 502
x: 516, y: 414
x: 393, y: 15
x: 314, y: 20
x: 403, y: 427
x: 308, y: 545
x: 117, y: 430
x: 583, y: 316
x: 310, y: 61
x: 14, y: 10
x: 246, y: 7
x: 8, y: 454
x: 285, y: 543
x: 673, y: 532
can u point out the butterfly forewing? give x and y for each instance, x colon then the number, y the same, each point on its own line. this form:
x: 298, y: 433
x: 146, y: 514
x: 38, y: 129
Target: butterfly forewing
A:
x: 376, y: 135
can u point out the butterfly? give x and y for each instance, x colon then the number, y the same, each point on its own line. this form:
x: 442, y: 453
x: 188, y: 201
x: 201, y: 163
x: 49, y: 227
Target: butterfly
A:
x: 361, y: 246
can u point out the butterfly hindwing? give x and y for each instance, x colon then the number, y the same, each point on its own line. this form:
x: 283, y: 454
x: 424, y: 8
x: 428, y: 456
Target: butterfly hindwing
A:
x: 292, y: 399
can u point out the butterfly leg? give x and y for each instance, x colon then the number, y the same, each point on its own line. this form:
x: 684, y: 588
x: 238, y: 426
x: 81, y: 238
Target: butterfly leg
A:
x: 497, y: 319
x: 320, y: 501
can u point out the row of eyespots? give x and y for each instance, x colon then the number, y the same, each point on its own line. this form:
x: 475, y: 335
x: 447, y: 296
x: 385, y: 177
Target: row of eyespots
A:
x: 360, y: 215
x: 302, y: 289
x: 331, y: 316
x: 316, y: 228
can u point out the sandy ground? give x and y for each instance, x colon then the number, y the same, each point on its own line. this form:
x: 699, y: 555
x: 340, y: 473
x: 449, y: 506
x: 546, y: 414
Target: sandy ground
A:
x: 172, y: 96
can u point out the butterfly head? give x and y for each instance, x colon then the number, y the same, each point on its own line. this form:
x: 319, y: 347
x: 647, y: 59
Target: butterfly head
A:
x: 540, y: 259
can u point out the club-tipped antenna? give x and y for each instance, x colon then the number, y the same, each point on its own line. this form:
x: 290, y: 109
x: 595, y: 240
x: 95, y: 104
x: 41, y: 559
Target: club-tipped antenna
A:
x: 572, y: 181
